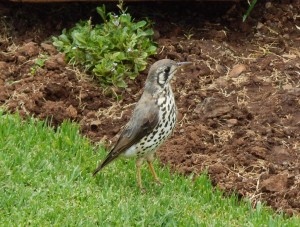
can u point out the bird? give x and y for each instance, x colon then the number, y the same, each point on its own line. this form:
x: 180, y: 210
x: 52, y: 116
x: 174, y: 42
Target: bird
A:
x: 152, y: 122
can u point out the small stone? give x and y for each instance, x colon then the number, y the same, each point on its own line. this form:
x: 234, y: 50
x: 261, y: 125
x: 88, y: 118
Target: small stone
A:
x: 268, y: 5
x: 259, y: 25
x: 232, y: 122
x: 237, y: 70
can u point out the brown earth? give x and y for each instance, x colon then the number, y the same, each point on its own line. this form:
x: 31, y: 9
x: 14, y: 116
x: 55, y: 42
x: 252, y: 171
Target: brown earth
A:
x: 238, y: 104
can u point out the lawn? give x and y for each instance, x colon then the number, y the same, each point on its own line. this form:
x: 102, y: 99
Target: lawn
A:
x: 45, y: 179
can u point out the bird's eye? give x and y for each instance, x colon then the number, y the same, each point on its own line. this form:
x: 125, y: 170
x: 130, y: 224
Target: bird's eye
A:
x: 167, y: 70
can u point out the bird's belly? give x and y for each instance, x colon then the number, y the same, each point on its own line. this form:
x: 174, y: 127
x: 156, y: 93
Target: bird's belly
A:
x: 130, y: 152
x: 149, y: 144
x: 144, y: 148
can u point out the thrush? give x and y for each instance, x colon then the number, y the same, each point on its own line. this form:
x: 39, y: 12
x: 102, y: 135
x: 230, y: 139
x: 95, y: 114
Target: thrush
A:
x: 152, y: 121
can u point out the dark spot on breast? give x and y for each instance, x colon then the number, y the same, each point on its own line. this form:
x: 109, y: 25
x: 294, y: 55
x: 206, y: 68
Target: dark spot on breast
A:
x: 166, y: 124
x: 164, y: 115
x: 146, y: 148
x: 155, y: 130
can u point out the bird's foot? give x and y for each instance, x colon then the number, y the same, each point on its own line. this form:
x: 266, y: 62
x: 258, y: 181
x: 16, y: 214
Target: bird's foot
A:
x: 158, y: 182
x: 143, y: 190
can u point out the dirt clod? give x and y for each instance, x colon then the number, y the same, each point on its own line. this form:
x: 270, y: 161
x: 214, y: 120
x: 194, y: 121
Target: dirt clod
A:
x: 50, y: 49
x: 275, y: 183
x: 30, y: 49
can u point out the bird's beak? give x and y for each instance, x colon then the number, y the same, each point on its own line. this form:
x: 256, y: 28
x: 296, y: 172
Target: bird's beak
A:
x: 181, y: 65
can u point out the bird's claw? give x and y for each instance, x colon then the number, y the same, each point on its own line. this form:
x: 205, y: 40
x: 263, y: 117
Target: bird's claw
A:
x: 158, y: 182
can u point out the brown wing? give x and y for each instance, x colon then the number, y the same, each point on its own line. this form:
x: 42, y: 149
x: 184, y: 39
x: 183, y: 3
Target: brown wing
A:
x: 144, y: 119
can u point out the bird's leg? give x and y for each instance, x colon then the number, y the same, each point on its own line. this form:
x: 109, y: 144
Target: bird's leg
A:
x: 153, y: 172
x: 138, y: 171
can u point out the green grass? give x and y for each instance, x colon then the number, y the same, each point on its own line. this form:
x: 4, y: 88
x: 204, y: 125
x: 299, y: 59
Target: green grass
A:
x: 45, y: 179
x: 250, y: 8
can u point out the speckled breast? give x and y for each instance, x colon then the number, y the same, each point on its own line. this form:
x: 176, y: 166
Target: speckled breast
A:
x: 165, y: 126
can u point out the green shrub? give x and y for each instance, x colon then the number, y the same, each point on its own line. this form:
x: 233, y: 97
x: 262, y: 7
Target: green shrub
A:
x: 112, y: 51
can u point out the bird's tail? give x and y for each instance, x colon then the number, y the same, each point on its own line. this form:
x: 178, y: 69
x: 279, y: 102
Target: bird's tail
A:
x: 98, y: 169
x: 108, y: 159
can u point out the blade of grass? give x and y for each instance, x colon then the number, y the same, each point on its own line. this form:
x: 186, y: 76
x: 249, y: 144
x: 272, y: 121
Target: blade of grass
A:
x: 251, y: 6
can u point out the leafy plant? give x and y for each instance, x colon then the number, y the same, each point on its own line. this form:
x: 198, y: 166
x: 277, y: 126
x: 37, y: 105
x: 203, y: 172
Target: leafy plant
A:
x: 250, y: 8
x: 39, y: 63
x: 112, y: 51
x: 189, y: 34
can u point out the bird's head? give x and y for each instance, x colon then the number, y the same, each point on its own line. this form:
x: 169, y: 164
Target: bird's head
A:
x: 160, y: 74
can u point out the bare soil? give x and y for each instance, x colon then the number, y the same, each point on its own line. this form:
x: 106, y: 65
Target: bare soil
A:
x: 238, y: 105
